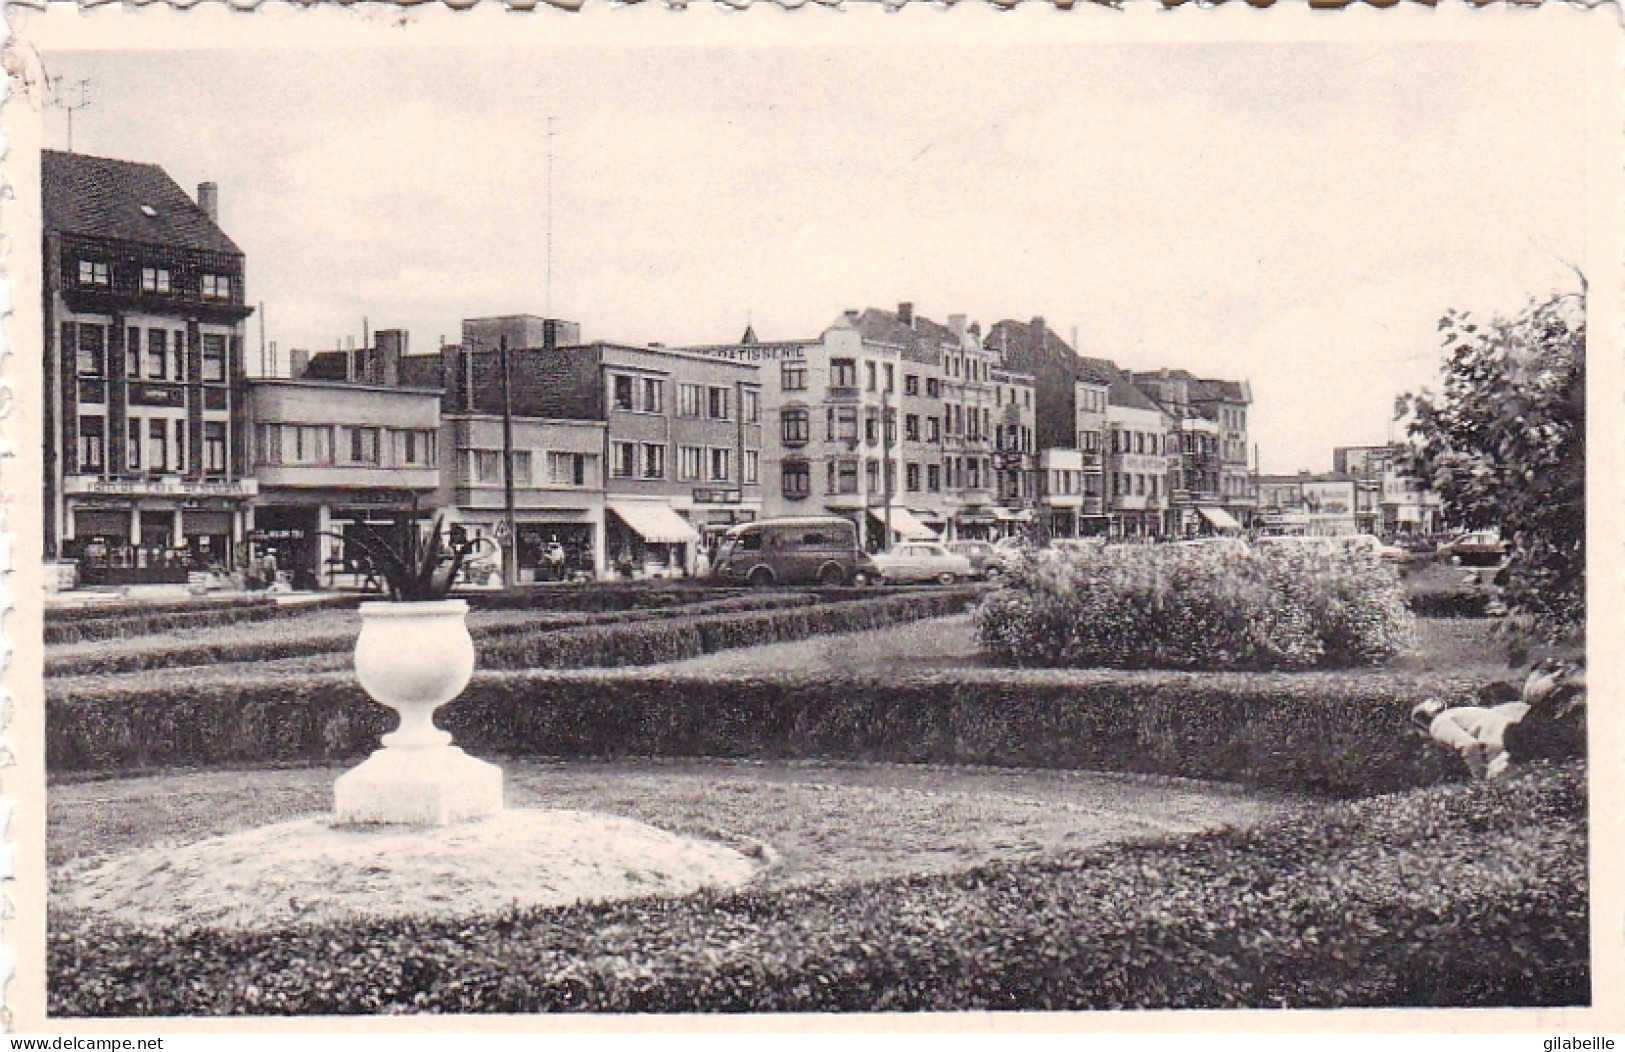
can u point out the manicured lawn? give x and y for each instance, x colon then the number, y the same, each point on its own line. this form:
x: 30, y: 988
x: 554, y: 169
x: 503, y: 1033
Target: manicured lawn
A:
x: 1445, y: 645
x: 825, y: 822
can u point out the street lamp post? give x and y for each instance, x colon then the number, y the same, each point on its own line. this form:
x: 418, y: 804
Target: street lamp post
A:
x: 885, y: 452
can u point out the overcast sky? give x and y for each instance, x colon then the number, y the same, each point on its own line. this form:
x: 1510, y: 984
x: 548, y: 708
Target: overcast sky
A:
x: 1297, y: 217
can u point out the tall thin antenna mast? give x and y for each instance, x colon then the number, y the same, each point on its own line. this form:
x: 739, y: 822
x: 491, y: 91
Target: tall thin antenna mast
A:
x: 550, y: 217
x: 80, y: 90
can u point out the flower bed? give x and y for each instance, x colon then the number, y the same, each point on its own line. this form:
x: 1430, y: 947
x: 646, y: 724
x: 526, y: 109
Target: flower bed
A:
x: 1457, y: 896
x: 1330, y: 734
x: 1171, y: 606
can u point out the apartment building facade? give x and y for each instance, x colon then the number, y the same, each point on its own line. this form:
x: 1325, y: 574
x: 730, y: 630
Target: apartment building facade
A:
x: 1137, y: 461
x: 890, y: 417
x: 1195, y: 443
x: 1392, y: 501
x: 681, y: 433
x: 146, y: 478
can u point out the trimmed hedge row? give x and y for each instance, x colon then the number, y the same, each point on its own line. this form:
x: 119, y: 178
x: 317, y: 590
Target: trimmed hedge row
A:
x: 131, y: 608
x: 616, y: 634
x: 1450, y: 604
x: 597, y: 597
x: 1460, y: 896
x: 575, y: 619
x: 178, y: 618
x: 652, y: 642
x: 1325, y: 734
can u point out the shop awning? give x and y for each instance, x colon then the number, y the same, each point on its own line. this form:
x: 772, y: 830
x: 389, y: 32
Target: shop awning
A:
x: 1219, y: 518
x: 1017, y: 515
x: 904, y: 522
x: 655, y: 523
x: 1409, y: 513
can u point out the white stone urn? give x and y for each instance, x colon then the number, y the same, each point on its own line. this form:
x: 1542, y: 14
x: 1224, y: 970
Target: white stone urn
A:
x: 414, y: 658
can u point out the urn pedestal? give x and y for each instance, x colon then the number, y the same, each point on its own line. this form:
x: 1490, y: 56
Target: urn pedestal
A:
x: 413, y: 658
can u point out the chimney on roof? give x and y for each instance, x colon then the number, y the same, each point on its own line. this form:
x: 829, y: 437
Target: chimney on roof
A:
x: 905, y: 314
x: 956, y: 324
x: 392, y: 346
x: 976, y: 328
x: 208, y: 199
x: 1039, y: 328
x: 298, y: 362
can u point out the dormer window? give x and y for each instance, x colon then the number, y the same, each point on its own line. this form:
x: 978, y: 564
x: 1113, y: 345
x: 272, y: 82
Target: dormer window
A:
x: 94, y: 272
x: 149, y: 211
x: 216, y: 287
x: 155, y: 279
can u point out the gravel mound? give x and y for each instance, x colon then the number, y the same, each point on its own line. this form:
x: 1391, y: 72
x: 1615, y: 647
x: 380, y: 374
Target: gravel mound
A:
x: 311, y: 872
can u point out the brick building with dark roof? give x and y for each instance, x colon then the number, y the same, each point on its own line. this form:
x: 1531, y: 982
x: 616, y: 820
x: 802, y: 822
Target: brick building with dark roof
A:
x: 146, y: 477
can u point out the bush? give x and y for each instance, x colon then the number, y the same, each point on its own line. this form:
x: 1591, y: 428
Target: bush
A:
x: 1171, y: 606
x: 1327, y: 734
x: 1461, y: 896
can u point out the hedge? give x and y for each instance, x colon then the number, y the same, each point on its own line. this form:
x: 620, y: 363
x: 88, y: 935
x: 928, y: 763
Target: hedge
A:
x: 597, y: 597
x: 173, y: 617
x: 131, y: 607
x: 675, y: 639
x: 1325, y: 734
x: 1450, y: 604
x: 618, y: 638
x: 1459, y: 896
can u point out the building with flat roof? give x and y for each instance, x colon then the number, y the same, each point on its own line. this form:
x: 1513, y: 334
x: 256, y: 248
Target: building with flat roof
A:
x: 680, y: 448
x: 330, y: 457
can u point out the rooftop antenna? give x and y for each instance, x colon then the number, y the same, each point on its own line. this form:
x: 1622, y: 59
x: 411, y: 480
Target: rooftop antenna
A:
x: 73, y: 96
x: 550, y: 217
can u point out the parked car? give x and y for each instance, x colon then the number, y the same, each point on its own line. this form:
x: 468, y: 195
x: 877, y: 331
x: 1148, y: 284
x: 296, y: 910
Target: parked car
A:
x: 821, y: 550
x: 1367, y: 543
x: 1222, y: 544
x: 1480, y: 548
x: 986, y: 560
x: 1077, y: 544
x: 922, y: 561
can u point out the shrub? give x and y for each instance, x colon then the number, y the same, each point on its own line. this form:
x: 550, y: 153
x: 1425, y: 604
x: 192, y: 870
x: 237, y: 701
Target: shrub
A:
x: 1329, y: 734
x: 1171, y: 606
x: 1459, y: 896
